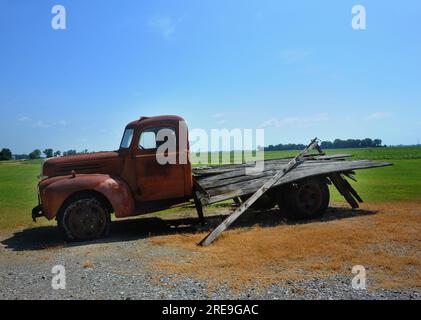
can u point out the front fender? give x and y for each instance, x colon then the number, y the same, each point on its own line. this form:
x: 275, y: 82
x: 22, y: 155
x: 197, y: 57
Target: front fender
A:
x: 55, y: 191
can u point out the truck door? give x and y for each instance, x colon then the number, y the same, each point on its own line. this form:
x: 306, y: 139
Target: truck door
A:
x: 157, y: 181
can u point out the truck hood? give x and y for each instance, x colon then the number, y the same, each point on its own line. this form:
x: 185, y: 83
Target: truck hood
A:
x: 100, y: 162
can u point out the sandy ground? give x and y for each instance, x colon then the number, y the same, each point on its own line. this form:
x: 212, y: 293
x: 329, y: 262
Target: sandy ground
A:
x: 263, y: 256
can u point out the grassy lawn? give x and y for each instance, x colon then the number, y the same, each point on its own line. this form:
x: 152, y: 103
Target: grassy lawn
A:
x: 18, y: 192
x: 401, y: 182
x: 394, y: 153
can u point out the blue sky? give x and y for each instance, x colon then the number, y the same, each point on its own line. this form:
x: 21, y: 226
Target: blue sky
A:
x: 296, y: 68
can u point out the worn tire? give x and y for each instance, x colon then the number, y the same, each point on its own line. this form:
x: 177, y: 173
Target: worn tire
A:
x: 84, y: 218
x: 306, y: 199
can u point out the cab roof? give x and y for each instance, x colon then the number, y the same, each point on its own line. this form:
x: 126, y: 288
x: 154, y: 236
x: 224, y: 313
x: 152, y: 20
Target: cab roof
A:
x: 147, y: 120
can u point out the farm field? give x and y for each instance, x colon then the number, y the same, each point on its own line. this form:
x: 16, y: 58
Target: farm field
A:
x: 310, y: 260
x: 389, y: 153
x: 400, y: 182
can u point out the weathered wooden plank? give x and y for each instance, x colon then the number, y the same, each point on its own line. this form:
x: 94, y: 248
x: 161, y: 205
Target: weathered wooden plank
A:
x: 353, y: 191
x: 237, y: 201
x: 267, y: 185
x: 351, y: 175
x: 199, y: 207
x: 300, y: 172
x: 240, y: 175
x: 339, y: 183
x: 249, y: 187
x: 231, y: 167
x: 220, y: 179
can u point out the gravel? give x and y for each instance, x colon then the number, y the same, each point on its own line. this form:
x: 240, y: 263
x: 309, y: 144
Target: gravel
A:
x: 121, y: 268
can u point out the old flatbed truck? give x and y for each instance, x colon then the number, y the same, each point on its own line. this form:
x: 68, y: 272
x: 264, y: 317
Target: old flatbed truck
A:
x: 82, y: 191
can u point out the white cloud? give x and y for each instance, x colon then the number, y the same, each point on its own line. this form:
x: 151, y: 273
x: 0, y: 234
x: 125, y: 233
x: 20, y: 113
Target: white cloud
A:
x: 165, y: 25
x: 295, y: 121
x: 40, y: 124
x: 291, y: 56
x: 24, y: 119
x: 378, y: 116
x: 220, y: 118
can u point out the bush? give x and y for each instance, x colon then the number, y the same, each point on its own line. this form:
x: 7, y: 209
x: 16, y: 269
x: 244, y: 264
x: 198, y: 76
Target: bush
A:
x: 5, y: 154
x: 36, y: 154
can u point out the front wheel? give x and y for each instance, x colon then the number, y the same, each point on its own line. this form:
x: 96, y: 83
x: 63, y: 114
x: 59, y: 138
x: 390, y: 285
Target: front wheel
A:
x: 84, y: 219
x: 305, y: 199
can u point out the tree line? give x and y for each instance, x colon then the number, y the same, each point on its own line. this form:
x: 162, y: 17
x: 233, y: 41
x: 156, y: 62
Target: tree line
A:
x: 336, y: 144
x: 6, y: 154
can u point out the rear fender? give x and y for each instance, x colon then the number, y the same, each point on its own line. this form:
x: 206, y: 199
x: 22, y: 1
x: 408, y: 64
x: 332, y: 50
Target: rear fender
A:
x: 55, y: 191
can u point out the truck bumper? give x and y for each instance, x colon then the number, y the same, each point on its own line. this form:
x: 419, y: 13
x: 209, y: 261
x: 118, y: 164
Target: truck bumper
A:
x: 37, y: 212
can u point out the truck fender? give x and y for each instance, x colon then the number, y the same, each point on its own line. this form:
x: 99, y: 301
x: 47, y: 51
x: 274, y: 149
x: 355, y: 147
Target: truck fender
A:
x: 56, y: 191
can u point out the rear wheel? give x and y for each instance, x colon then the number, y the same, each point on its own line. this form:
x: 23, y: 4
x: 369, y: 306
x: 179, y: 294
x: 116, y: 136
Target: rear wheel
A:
x: 84, y: 218
x: 304, y: 199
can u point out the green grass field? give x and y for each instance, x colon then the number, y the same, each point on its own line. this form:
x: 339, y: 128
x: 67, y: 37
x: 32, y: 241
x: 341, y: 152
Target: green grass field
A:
x: 392, y: 153
x: 401, y: 182
x: 18, y: 192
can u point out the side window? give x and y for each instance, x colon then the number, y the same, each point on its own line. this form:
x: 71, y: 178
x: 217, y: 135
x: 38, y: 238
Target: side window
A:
x: 127, y: 139
x: 147, y: 140
x: 148, y: 137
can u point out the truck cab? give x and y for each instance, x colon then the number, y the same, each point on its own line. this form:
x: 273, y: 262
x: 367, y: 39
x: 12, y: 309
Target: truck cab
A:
x: 149, y: 172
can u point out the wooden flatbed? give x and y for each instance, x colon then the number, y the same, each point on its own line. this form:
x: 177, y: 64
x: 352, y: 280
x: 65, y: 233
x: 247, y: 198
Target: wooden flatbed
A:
x: 231, y: 181
x: 307, y: 172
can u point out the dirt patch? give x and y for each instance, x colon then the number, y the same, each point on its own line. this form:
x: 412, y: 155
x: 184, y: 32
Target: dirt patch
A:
x: 87, y: 265
x: 387, y: 243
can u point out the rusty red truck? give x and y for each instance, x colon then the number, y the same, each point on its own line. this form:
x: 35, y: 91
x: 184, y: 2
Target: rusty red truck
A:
x: 82, y: 191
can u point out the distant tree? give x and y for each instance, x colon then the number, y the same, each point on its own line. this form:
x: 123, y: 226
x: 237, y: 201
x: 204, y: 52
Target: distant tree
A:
x: 326, y: 145
x: 366, y: 143
x: 36, y: 154
x: 21, y: 156
x: 69, y: 153
x: 57, y: 153
x: 48, y: 153
x: 352, y: 143
x: 336, y: 144
x: 5, y: 154
x: 377, y: 142
x: 290, y: 146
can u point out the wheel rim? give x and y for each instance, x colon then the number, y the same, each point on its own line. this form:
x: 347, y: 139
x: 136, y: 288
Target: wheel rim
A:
x: 310, y: 198
x: 87, y: 221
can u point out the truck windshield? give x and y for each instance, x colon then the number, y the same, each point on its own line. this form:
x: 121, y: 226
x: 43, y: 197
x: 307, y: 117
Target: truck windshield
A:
x: 127, y: 139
